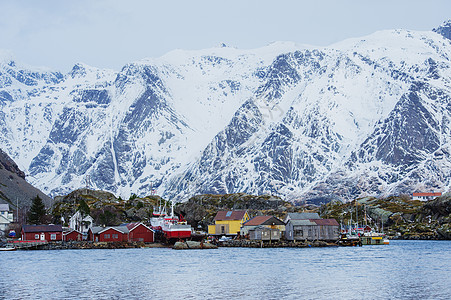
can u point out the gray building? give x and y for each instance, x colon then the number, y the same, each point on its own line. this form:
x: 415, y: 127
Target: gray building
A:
x: 262, y: 221
x: 301, y: 216
x: 312, y: 229
x: 265, y: 234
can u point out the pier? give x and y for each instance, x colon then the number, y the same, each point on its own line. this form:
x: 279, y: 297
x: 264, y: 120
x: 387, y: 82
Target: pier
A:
x: 24, y: 245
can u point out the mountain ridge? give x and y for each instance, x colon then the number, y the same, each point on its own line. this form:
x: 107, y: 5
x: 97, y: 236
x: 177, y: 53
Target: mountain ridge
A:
x: 304, y: 123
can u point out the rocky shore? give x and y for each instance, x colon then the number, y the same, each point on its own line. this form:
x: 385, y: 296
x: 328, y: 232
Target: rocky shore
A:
x: 99, y: 245
x: 193, y: 245
x: 274, y: 244
x: 182, y: 245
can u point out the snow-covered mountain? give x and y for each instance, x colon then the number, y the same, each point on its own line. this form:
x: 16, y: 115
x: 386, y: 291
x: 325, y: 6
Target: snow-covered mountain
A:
x: 364, y: 116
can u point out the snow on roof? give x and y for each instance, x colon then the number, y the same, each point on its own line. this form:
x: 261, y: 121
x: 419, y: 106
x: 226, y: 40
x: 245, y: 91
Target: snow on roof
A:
x: 4, y: 207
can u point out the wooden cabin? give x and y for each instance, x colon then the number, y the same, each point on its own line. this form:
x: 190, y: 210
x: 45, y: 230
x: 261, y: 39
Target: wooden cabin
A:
x: 265, y: 234
x: 49, y: 233
x: 313, y: 229
x: 108, y: 234
x: 264, y: 221
x: 72, y: 235
x: 138, y: 232
x: 228, y: 222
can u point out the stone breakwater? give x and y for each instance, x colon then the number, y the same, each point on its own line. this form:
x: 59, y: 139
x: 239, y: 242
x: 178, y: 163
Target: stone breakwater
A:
x: 275, y: 244
x: 193, y: 245
x: 98, y: 245
x: 182, y: 245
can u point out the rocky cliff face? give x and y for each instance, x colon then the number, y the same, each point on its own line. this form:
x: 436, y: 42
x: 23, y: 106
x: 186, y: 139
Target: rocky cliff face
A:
x: 366, y: 116
x: 14, y: 189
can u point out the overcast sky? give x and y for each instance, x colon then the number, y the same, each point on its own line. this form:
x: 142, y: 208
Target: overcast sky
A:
x: 109, y: 34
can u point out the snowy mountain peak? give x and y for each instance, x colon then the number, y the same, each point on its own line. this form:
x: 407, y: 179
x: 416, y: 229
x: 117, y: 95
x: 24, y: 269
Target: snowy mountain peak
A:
x: 365, y: 116
x: 444, y: 29
x: 6, y: 57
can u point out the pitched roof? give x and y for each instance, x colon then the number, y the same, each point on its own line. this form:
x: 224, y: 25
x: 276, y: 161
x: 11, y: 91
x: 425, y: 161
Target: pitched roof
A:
x: 302, y: 222
x: 99, y: 229
x: 77, y: 215
x: 42, y: 228
x: 426, y: 194
x: 314, y: 222
x: 224, y: 215
x: 70, y: 231
x: 133, y: 226
x: 263, y: 220
x: 303, y: 216
x: 326, y: 222
x: 4, y: 207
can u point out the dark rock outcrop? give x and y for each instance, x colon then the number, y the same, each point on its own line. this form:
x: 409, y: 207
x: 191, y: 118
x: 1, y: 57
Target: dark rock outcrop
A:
x: 13, y: 186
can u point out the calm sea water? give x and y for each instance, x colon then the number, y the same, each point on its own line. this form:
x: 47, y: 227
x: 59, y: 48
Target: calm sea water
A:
x: 401, y: 270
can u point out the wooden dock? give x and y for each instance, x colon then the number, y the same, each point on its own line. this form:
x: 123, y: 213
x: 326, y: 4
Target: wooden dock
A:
x: 27, y: 245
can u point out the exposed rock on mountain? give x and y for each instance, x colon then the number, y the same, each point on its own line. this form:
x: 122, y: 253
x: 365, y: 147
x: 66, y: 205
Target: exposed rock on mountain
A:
x: 400, y: 217
x: 14, y: 189
x: 367, y: 116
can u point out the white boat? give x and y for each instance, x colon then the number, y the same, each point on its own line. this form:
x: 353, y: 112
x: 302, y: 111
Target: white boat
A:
x: 8, y: 249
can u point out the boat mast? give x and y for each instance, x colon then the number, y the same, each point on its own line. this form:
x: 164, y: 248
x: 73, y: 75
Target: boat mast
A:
x: 364, y: 208
x: 357, y: 214
x: 172, y: 209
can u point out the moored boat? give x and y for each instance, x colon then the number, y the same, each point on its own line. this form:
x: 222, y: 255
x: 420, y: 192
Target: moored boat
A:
x: 172, y: 226
x: 374, y: 238
x: 7, y: 249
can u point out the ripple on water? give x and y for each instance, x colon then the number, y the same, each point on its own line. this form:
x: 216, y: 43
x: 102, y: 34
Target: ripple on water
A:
x: 401, y: 270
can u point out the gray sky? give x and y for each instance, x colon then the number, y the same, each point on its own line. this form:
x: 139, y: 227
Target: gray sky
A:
x: 109, y: 34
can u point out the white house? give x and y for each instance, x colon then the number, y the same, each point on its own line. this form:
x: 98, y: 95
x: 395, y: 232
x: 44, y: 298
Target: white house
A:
x: 425, y: 196
x: 6, y: 217
x: 77, y: 222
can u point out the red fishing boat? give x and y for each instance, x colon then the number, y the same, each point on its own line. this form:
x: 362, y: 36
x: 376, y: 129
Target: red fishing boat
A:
x: 172, y: 226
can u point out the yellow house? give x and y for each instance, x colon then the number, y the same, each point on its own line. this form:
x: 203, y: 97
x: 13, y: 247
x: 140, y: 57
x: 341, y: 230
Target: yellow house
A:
x: 228, y: 222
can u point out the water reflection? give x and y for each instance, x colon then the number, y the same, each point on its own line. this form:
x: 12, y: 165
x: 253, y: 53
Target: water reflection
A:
x: 402, y: 270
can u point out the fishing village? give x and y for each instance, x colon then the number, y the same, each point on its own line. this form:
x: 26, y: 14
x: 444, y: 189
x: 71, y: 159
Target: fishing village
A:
x: 89, y: 219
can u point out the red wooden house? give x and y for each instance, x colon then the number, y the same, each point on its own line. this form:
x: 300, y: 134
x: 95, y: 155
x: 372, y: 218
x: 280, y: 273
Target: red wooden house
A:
x: 72, y: 235
x: 42, y: 232
x: 138, y: 232
x: 108, y: 234
x: 425, y: 196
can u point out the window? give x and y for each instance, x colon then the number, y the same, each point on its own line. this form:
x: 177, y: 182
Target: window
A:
x: 36, y: 236
x: 53, y: 236
x: 229, y: 213
x: 106, y: 236
x: 298, y: 232
x: 222, y: 229
x: 115, y: 236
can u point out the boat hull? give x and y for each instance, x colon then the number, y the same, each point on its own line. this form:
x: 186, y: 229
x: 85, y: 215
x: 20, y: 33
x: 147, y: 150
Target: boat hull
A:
x: 8, y: 249
x: 373, y: 240
x: 177, y: 234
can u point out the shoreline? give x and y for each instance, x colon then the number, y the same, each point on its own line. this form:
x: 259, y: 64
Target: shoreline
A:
x: 75, y: 245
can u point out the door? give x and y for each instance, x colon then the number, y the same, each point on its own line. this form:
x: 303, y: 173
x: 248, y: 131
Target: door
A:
x: 42, y: 237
